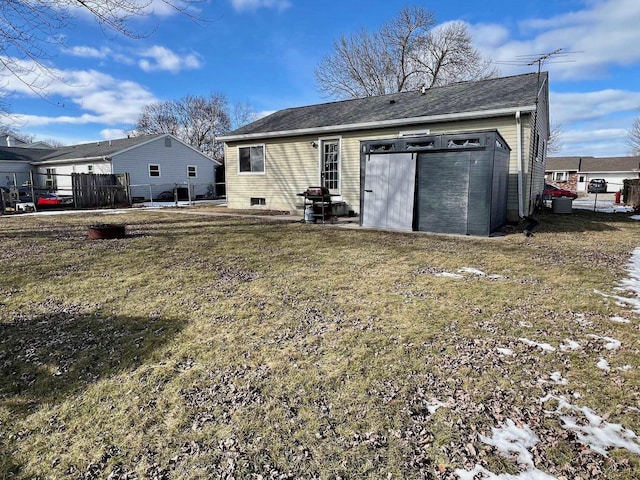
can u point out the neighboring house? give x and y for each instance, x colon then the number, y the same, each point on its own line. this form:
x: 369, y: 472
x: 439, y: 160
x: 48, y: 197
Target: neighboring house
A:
x: 155, y: 163
x: 574, y: 173
x: 271, y: 161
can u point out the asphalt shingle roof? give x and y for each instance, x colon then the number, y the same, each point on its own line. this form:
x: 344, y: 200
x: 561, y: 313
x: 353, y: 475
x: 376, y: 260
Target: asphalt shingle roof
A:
x: 593, y: 164
x: 86, y: 150
x: 472, y: 96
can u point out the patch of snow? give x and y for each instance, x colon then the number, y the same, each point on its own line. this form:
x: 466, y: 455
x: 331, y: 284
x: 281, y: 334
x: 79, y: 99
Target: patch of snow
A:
x: 558, y: 379
x: 625, y: 368
x: 603, y: 365
x: 610, y: 343
x: 635, y: 217
x: 545, y: 347
x: 570, y: 345
x: 434, y: 406
x: 510, y: 441
x: 448, y: 275
x: 619, y: 319
x: 631, y: 284
x: 596, y: 433
x: 504, y: 351
x: 472, y: 271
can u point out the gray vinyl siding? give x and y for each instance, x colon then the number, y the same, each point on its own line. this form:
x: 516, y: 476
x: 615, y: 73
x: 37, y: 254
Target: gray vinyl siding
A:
x: 173, y: 161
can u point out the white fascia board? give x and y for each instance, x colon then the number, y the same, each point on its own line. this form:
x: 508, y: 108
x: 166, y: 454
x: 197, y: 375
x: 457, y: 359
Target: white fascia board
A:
x: 72, y: 160
x: 449, y: 117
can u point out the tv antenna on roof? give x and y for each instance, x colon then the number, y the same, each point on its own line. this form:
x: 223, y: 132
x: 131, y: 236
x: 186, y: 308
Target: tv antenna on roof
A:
x: 557, y: 56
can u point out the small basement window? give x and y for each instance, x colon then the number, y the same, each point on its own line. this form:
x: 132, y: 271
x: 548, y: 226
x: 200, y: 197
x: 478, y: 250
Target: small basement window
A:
x: 258, y: 201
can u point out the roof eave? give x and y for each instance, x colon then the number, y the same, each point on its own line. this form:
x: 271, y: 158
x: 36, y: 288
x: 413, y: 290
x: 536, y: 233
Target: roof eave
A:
x: 449, y: 117
x: 103, y: 158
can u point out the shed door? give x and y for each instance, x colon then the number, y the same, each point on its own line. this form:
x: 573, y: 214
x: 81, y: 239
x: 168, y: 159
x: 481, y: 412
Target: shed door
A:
x: 389, y: 185
x: 443, y: 192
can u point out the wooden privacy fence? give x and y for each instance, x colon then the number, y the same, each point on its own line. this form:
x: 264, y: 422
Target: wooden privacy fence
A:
x: 92, y: 190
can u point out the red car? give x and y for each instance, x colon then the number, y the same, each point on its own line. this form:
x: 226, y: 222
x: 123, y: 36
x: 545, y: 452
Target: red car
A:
x: 51, y: 199
x: 551, y: 191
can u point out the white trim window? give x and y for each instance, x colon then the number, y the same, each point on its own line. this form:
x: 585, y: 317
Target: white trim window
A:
x: 154, y: 170
x: 330, y: 164
x: 251, y: 160
x: 192, y: 171
x: 560, y: 176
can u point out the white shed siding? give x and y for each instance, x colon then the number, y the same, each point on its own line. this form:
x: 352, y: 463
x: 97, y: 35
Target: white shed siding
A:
x: 292, y: 164
x: 173, y: 161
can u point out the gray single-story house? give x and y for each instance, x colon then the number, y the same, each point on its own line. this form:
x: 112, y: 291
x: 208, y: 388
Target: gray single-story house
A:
x: 272, y: 160
x: 574, y: 173
x: 154, y: 163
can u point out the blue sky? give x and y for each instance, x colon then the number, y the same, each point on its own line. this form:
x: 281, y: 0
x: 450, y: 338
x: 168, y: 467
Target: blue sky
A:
x: 263, y: 52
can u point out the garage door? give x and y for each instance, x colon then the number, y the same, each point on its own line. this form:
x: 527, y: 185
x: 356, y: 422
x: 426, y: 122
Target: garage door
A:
x: 389, y: 187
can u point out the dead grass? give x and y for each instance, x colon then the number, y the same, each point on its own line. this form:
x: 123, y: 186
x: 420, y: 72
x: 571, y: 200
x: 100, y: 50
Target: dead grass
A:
x: 219, y: 347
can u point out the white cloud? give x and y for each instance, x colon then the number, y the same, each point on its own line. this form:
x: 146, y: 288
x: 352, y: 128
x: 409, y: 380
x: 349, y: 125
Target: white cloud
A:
x: 90, y: 52
x: 594, y: 40
x: 575, y: 107
x: 112, y: 133
x: 252, y: 5
x: 85, y: 96
x: 158, y: 58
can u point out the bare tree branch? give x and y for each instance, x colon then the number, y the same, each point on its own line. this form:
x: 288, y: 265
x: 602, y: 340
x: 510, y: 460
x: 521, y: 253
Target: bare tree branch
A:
x: 554, y: 144
x: 198, y: 121
x: 633, y: 137
x: 407, y: 53
x: 33, y: 31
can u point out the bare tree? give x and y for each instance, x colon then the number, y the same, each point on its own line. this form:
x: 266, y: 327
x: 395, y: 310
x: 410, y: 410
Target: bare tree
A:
x: 408, y: 52
x: 195, y: 120
x: 33, y: 31
x: 242, y: 113
x: 633, y: 137
x: 554, y: 144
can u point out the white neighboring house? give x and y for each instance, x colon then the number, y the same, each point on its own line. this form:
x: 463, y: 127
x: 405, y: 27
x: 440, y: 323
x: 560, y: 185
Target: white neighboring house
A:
x: 574, y: 173
x: 155, y: 163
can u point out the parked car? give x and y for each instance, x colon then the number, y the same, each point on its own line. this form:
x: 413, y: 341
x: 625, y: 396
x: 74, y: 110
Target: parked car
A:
x: 597, y: 185
x: 52, y: 200
x: 551, y: 191
x: 166, y: 196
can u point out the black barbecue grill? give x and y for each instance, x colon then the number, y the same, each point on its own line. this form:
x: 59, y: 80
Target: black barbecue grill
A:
x: 317, y: 204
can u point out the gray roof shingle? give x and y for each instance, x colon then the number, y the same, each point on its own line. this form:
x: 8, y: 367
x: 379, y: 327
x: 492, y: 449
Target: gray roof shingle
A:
x: 593, y: 164
x: 472, y: 96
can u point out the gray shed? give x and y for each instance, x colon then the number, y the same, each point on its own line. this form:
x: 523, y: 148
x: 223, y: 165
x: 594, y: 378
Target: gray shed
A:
x: 447, y: 183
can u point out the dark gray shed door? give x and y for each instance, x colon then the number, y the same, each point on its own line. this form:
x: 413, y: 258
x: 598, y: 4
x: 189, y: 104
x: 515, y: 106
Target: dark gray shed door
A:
x: 389, y: 186
x: 443, y: 192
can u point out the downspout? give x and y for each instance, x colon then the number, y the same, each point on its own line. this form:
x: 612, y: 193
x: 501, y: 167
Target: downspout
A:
x: 519, y: 147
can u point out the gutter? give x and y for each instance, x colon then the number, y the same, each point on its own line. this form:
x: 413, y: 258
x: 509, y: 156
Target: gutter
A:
x: 449, y: 117
x: 519, y: 147
x: 71, y: 160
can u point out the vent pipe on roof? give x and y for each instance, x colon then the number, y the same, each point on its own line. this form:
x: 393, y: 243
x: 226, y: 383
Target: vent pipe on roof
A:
x: 423, y: 90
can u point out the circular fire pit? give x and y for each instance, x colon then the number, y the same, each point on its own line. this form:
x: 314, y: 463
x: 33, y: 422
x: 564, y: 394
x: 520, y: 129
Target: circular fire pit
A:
x: 106, y: 231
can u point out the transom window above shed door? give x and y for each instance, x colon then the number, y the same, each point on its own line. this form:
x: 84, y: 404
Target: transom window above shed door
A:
x: 330, y: 165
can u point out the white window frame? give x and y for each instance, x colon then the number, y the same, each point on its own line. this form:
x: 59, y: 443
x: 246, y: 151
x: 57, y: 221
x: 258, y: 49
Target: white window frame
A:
x: 264, y: 159
x: 149, y: 170
x: 195, y: 171
x: 321, y: 142
x: 560, y: 176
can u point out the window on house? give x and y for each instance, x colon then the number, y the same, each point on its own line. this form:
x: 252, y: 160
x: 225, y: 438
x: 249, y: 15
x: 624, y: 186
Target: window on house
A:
x: 258, y: 201
x: 192, y: 171
x: 90, y: 168
x: 251, y: 159
x: 154, y: 170
x: 330, y: 165
x: 50, y: 181
x: 581, y: 179
x: 560, y: 176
